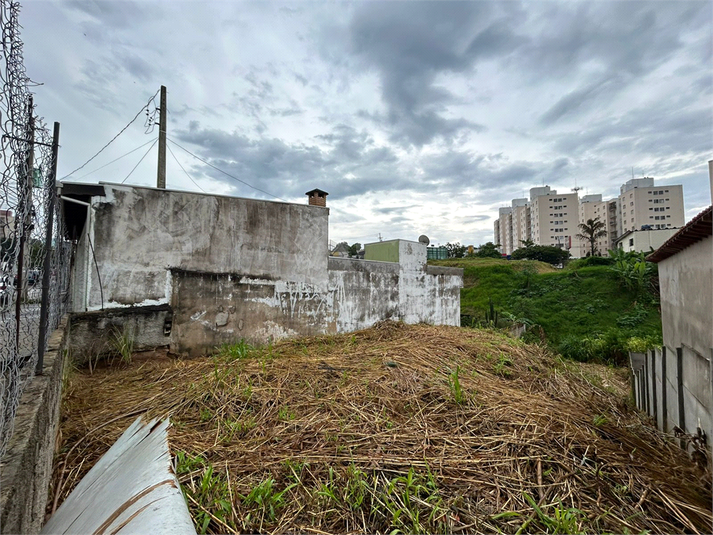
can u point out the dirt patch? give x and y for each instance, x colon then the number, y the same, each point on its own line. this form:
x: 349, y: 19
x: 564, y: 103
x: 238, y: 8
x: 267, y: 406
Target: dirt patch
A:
x: 408, y: 428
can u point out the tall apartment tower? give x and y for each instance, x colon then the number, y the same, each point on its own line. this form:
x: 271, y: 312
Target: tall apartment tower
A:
x: 496, y: 232
x: 520, y: 223
x: 554, y: 219
x: 505, y: 238
x: 641, y: 204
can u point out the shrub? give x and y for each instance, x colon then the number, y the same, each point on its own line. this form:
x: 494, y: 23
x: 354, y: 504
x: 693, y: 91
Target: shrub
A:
x: 544, y: 253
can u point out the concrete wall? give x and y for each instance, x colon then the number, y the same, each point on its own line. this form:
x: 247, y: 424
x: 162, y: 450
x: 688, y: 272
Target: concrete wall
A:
x: 26, y: 468
x: 686, y: 281
x: 138, y: 234
x: 211, y: 309
x: 94, y: 333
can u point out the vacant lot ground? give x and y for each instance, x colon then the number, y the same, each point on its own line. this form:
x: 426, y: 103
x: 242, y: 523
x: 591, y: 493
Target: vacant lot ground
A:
x: 396, y: 428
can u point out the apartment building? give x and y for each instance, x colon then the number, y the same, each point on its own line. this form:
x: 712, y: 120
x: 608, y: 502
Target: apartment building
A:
x: 505, y: 236
x: 520, y: 223
x: 555, y: 217
x: 7, y: 224
x: 550, y: 218
x: 641, y: 204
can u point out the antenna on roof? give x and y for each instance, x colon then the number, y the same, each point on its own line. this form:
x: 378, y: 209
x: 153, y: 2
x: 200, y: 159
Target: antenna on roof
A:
x: 576, y: 188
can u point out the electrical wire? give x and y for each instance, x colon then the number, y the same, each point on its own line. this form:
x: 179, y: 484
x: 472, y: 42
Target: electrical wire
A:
x: 117, y: 159
x: 182, y: 169
x: 144, y: 107
x: 141, y: 160
x: 225, y: 172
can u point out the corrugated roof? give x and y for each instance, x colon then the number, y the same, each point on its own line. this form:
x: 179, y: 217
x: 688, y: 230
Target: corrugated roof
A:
x: 698, y: 228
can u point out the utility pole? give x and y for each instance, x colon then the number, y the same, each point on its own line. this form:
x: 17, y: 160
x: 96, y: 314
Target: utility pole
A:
x: 161, y: 178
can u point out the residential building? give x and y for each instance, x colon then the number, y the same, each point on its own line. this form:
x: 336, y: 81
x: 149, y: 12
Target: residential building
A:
x: 505, y: 228
x: 641, y: 203
x: 555, y: 217
x: 496, y: 232
x: 644, y: 240
x: 520, y: 223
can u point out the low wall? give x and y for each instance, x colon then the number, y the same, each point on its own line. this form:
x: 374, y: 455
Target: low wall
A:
x: 675, y: 388
x: 94, y: 333
x: 211, y: 309
x: 26, y: 468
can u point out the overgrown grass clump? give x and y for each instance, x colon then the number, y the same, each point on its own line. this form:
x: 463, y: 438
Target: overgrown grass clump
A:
x: 395, y: 429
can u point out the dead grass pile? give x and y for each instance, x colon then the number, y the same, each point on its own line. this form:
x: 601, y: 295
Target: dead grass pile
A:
x: 413, y: 429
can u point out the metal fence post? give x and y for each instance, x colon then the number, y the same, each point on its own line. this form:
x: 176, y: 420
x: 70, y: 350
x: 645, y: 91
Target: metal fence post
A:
x: 664, y: 392
x: 679, y: 377
x: 653, y: 387
x: 44, y: 307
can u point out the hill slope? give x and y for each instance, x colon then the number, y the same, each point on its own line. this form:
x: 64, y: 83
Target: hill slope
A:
x: 409, y: 428
x: 571, y: 305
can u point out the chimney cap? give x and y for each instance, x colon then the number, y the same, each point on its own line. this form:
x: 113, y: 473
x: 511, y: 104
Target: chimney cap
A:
x: 318, y: 192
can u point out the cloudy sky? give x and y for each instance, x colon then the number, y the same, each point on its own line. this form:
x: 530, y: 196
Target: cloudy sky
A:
x: 417, y: 118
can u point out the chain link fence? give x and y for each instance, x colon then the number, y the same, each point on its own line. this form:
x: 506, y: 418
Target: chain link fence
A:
x: 35, y: 255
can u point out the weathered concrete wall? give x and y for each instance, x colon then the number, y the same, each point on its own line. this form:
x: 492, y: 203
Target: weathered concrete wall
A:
x: 215, y: 308
x: 362, y: 293
x: 139, y: 233
x: 26, y: 468
x: 94, y: 333
x: 211, y: 309
x: 687, y: 297
x: 427, y: 294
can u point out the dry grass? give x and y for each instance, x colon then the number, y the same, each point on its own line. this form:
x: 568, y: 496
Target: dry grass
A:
x: 407, y: 428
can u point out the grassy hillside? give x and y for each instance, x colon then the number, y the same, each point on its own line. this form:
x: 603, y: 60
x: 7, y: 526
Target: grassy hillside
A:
x: 572, y: 306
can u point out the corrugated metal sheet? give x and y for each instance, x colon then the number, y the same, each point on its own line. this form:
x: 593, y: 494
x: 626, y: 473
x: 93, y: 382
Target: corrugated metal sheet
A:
x: 132, y: 489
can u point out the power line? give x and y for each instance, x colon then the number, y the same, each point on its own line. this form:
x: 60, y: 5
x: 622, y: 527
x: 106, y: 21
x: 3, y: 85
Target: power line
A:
x: 116, y: 136
x: 225, y: 173
x: 141, y: 160
x: 117, y: 159
x: 179, y: 165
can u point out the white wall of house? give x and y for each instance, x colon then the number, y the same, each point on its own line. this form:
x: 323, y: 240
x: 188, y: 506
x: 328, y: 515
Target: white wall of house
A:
x: 686, y: 280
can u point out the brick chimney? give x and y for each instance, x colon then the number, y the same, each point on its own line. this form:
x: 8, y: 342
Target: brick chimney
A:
x: 317, y: 197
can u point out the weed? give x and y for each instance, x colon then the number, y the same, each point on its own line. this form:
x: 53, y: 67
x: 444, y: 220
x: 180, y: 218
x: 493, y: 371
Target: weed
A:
x: 123, y: 343
x: 599, y: 420
x: 206, y: 415
x: 238, y: 428
x: 329, y: 492
x: 211, y: 495
x: 237, y: 351
x: 356, y: 488
x: 502, y: 365
x: 285, y: 414
x: 185, y: 463
x: 455, y: 386
x: 565, y: 520
x: 266, y: 500
x: 295, y: 468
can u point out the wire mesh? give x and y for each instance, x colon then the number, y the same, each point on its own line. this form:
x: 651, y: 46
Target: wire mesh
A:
x: 27, y: 194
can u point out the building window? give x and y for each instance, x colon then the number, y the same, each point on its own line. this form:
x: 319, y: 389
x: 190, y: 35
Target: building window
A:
x: 631, y: 242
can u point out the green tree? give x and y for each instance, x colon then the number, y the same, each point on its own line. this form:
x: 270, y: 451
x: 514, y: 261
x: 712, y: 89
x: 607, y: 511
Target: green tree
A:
x: 543, y: 253
x: 527, y: 243
x: 455, y: 250
x: 354, y: 249
x: 591, y: 231
x: 489, y: 250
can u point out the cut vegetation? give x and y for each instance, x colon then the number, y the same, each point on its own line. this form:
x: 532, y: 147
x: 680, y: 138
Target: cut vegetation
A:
x: 395, y: 429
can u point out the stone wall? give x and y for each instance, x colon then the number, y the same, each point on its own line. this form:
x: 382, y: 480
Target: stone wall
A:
x: 26, y: 468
